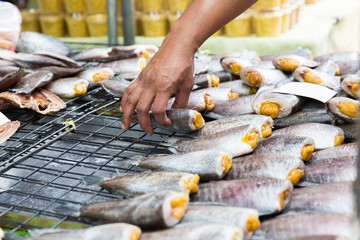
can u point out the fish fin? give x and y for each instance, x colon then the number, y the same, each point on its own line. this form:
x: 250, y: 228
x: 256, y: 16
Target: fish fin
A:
x: 69, y: 209
x: 13, y: 236
x: 92, y: 180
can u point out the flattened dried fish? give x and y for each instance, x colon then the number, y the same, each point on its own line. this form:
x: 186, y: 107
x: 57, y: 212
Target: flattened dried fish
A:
x: 267, y: 165
x: 68, y: 87
x: 40, y: 100
x: 246, y: 219
x: 289, y: 62
x: 219, y: 94
x: 183, y: 120
x: 258, y: 76
x: 126, y: 65
x: 350, y: 84
x: 31, y: 81
x: 208, y: 164
x: 156, y: 210
x: 7, y: 130
x: 324, y: 135
x: 96, y: 74
x: 115, y: 87
x: 344, y: 108
x: 349, y: 67
x: 60, y: 57
x: 239, y: 87
x: 199, y: 101
x: 35, y: 61
x: 344, y: 150
x: 59, y: 72
x: 235, y: 141
x: 305, y: 74
x: 303, y: 225
x: 10, y: 76
x: 316, y: 116
x: 326, y: 198
x: 295, y: 146
x: 207, y: 231
x: 263, y: 123
x: 267, y: 195
x: 339, y: 57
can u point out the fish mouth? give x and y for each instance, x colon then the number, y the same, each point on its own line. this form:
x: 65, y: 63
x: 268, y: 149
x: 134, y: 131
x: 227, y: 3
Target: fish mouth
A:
x: 307, y: 151
x: 254, y: 78
x: 198, y: 121
x: 209, y: 102
x: 191, y: 183
x: 349, y: 109
x: 288, y: 64
x: 295, y: 175
x: 252, y: 138
x: 226, y: 163
x: 253, y: 223
x: 270, y: 109
x: 178, y: 205
x: 214, y: 80
x: 266, y: 130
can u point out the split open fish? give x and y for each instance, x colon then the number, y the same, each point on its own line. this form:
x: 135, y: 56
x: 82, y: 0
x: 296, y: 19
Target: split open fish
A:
x: 68, y: 87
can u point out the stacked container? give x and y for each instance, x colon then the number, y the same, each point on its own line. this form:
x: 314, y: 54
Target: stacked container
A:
x: 286, y: 9
x: 96, y: 18
x: 52, y: 17
x: 153, y: 18
x: 268, y: 18
x: 30, y: 20
x: 75, y: 18
x: 241, y: 25
x: 176, y: 9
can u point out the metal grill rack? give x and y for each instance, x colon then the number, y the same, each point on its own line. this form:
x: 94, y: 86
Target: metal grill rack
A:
x: 42, y: 166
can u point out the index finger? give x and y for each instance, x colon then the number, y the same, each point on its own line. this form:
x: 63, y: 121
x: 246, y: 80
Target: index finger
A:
x: 159, y: 109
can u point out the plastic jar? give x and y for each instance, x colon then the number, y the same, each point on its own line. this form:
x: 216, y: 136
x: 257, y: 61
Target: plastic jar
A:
x: 30, y: 20
x: 154, y: 24
x: 240, y: 26
x: 173, y: 17
x: 150, y: 6
x: 139, y: 31
x: 50, y: 6
x: 97, y: 25
x: 285, y: 8
x: 52, y: 24
x: 96, y: 6
x: 178, y: 5
x: 267, y: 4
x: 268, y: 23
x: 74, y: 6
x: 76, y: 24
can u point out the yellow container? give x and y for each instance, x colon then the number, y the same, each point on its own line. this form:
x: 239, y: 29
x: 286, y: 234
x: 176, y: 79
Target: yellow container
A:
x: 267, y: 4
x: 138, y: 5
x: 52, y: 24
x: 30, y: 21
x: 293, y: 8
x: 285, y: 8
x: 139, y: 31
x: 154, y: 24
x: 50, y: 6
x: 120, y: 26
x: 97, y: 25
x: 119, y: 7
x: 178, y: 5
x: 218, y: 33
x: 268, y: 23
x: 173, y: 17
x: 149, y: 6
x: 96, y: 6
x: 74, y: 6
x: 240, y: 26
x: 76, y: 25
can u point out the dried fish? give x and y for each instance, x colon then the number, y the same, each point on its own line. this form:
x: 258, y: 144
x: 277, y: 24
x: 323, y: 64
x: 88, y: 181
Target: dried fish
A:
x: 350, y: 84
x: 96, y: 74
x: 351, y: 131
x: 128, y: 75
x: 305, y: 74
x: 238, y: 87
x: 326, y: 198
x: 208, y: 164
x: 316, y: 116
x: 303, y: 225
x: 126, y: 65
x: 218, y: 94
x: 59, y: 72
x: 344, y: 150
x: 339, y: 57
x: 235, y: 64
x: 155, y: 210
x: 266, y: 195
x: 306, y: 53
x: 9, y: 77
x: 60, y: 57
x: 324, y: 135
x: 235, y: 141
x: 207, y: 231
x: 115, y: 87
x: 289, y: 62
x: 295, y: 146
x: 344, y: 108
x: 263, y: 123
x: 270, y: 165
x: 7, y: 130
x: 40, y: 100
x: 276, y: 105
x: 349, y: 67
x: 258, y: 76
x: 35, y: 61
x: 32, y: 81
x: 7, y: 55
x: 6, y: 63
x: 68, y: 87
x: 329, y: 67
x: 183, y: 120
x: 199, y: 101
x: 201, y: 63
x: 206, y: 80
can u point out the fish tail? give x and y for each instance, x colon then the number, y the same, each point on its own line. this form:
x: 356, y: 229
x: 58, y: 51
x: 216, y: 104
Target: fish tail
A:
x: 92, y: 180
x: 69, y: 209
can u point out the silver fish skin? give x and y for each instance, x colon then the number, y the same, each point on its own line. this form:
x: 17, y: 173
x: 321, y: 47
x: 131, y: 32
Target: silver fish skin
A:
x: 304, y: 225
x: 111, y: 231
x: 289, y: 62
x: 35, y: 61
x: 115, y: 87
x: 294, y: 146
x: 137, y: 184
x: 349, y: 67
x: 324, y: 135
x: 218, y: 94
x: 60, y: 57
x: 197, y: 214
x: 338, y: 106
x: 258, y: 76
x: 261, y: 122
x: 344, y: 150
x: 232, y: 141
x: 68, y: 87
x: 206, y: 231
x: 31, y: 81
x: 350, y: 131
x: 286, y: 103
x: 316, y: 116
x: 148, y: 211
x: 330, y: 171
x: 126, y: 65
x: 350, y: 84
x: 305, y: 74
x: 205, y: 81
x: 30, y: 42
x: 183, y: 120
x: 266, y: 195
x: 96, y: 74
x: 266, y: 165
x: 238, y: 86
x: 326, y: 198
x: 339, y: 57
x: 208, y: 164
x: 228, y: 64
x: 198, y: 100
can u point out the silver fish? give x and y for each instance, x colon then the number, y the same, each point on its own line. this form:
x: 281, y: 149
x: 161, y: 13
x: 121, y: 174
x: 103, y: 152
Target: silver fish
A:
x: 155, y: 210
x: 30, y: 42
x: 235, y: 64
x: 6, y: 63
x: 289, y: 62
x: 31, y: 81
x: 324, y: 135
x: 263, y: 123
x: 345, y: 108
x: 60, y: 57
x: 96, y: 74
x: 339, y: 57
x: 208, y: 164
x: 326, y: 198
x: 68, y: 87
x: 239, y: 87
x: 206, y: 80
x: 266, y: 195
x: 344, y: 150
x: 126, y: 65
x: 201, y: 63
x: 267, y: 165
x: 35, y: 61
x: 198, y: 100
x: 316, y: 116
x: 306, y: 53
x: 218, y: 94
x: 305, y: 74
x: 115, y: 87
x: 349, y: 67
x: 7, y: 130
x: 350, y: 84
x: 7, y: 55
x: 235, y: 141
x: 258, y: 76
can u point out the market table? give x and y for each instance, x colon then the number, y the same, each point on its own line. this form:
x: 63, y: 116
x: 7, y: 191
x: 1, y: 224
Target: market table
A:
x: 327, y: 26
